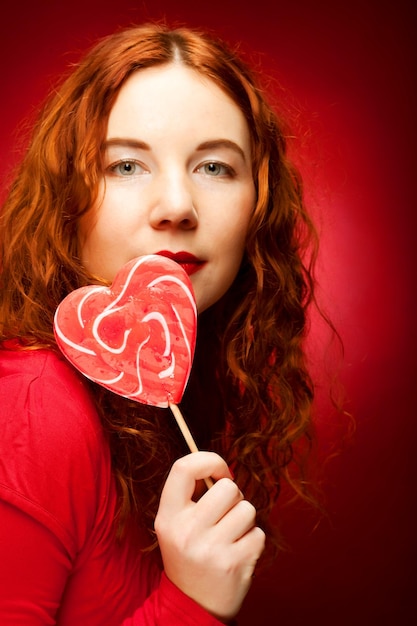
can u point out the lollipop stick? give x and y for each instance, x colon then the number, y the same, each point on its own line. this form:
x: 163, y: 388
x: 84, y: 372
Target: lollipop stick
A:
x: 187, y: 435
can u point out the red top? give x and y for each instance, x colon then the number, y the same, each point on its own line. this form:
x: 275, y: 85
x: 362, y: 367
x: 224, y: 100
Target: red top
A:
x: 59, y: 560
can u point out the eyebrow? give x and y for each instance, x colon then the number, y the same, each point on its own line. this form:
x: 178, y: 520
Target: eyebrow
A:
x: 212, y: 144
x: 221, y: 143
x: 127, y: 143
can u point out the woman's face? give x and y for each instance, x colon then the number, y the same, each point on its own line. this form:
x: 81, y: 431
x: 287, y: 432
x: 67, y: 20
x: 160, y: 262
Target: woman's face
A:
x: 177, y: 181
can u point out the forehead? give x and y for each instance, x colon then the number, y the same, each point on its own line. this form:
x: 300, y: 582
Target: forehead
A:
x: 174, y: 96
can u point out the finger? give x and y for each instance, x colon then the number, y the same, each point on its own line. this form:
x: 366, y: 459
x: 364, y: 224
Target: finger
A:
x: 218, y: 501
x: 180, y: 484
x: 248, y: 548
x: 238, y: 521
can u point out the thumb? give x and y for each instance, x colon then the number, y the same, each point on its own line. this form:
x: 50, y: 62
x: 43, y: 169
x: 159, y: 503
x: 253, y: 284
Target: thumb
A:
x: 180, y: 485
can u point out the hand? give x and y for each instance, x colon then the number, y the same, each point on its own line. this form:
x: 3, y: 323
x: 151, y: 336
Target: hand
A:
x: 210, y: 547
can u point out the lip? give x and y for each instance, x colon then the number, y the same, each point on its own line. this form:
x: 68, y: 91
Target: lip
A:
x: 190, y: 263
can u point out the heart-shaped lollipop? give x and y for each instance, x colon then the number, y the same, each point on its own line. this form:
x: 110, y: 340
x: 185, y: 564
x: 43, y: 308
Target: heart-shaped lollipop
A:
x: 137, y: 337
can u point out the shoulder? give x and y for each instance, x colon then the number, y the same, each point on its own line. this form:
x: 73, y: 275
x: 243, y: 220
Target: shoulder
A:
x: 41, y: 394
x: 53, y: 450
x: 41, y: 383
x: 19, y: 369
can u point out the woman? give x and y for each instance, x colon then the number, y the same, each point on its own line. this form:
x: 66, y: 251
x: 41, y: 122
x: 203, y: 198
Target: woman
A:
x: 159, y: 142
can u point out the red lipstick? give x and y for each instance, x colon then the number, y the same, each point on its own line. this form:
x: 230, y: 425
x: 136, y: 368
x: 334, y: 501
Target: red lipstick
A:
x: 188, y: 262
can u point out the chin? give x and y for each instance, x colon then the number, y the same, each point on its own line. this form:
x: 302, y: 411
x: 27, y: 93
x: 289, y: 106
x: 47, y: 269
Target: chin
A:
x: 206, y: 297
x: 203, y: 303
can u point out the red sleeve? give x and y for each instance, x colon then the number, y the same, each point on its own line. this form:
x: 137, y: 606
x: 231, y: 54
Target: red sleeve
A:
x: 36, y: 564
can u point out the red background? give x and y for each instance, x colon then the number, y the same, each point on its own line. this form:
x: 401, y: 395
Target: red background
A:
x: 347, y: 69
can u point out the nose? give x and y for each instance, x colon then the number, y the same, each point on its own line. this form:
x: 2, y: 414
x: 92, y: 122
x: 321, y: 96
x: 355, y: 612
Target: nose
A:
x: 173, y: 205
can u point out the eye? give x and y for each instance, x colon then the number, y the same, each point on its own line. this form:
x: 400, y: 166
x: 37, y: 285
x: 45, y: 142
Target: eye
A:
x: 126, y: 168
x: 214, y: 168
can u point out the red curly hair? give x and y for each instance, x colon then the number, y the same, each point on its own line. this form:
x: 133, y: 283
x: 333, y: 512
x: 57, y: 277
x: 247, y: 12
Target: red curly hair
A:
x: 250, y: 393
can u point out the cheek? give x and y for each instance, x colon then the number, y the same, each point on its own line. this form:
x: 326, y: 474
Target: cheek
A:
x: 238, y: 234
x: 234, y: 216
x: 97, y: 234
x: 101, y: 224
